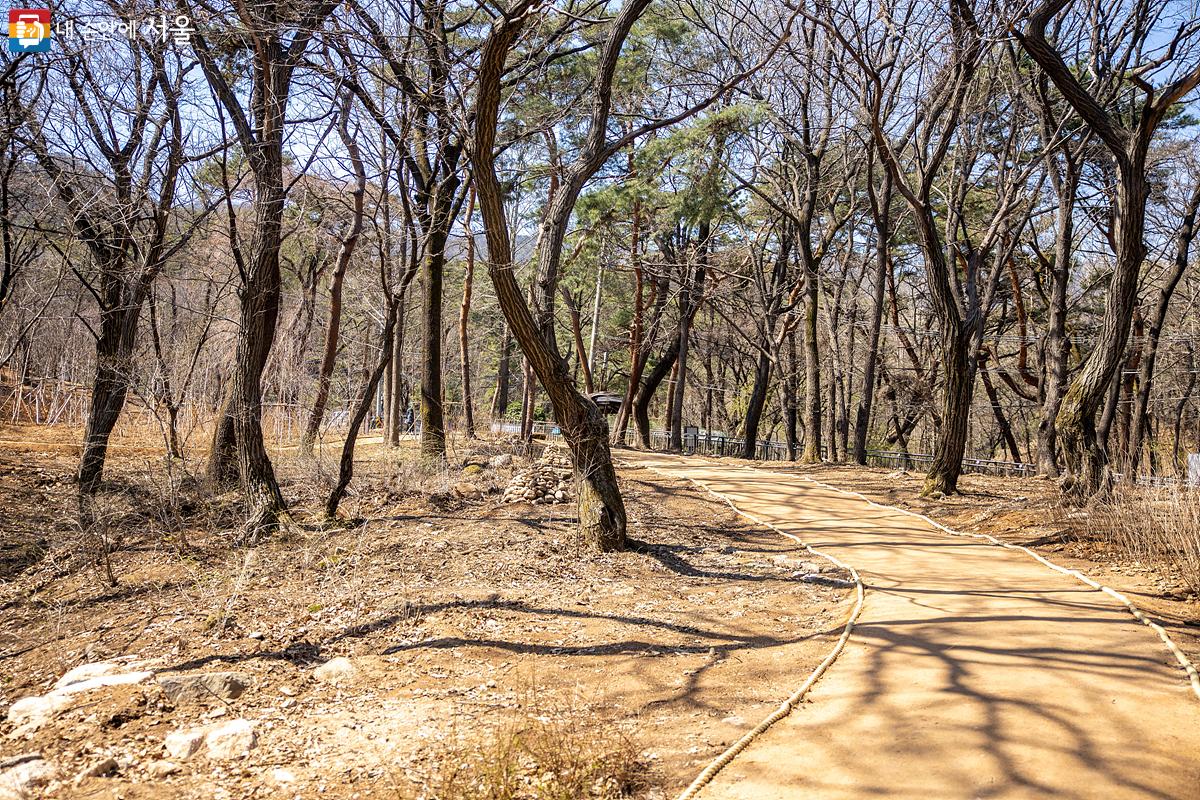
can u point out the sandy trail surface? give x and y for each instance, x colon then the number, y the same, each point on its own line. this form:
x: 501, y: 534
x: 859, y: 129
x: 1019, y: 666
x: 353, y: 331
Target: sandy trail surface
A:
x: 974, y: 671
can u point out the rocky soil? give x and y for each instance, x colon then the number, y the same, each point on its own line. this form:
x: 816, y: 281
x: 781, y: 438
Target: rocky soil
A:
x: 363, y: 662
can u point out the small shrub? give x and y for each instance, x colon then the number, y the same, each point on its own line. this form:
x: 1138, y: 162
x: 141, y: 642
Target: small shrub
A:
x: 563, y: 757
x: 1156, y: 526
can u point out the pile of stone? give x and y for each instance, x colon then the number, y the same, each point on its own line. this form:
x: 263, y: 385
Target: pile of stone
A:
x: 546, y: 481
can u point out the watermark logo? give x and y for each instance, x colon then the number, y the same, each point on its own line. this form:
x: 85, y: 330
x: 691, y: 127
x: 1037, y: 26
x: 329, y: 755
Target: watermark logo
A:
x: 29, y: 30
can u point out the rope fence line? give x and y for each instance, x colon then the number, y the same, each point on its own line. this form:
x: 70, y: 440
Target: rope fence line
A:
x: 1184, y: 662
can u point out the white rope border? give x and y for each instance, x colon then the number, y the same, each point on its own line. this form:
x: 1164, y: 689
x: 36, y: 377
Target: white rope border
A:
x: 794, y: 699
x: 1188, y: 667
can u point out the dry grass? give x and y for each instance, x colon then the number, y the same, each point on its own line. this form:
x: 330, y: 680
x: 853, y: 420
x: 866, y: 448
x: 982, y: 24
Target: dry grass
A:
x: 561, y: 755
x: 1159, y: 527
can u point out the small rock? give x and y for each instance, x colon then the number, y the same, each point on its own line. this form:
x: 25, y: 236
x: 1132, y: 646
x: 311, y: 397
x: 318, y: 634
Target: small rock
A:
x: 232, y: 740
x: 472, y: 469
x: 287, y: 691
x: 161, y: 769
x: 182, y: 745
x: 86, y: 672
x: 23, y: 779
x: 100, y: 769
x: 20, y: 758
x: 502, y: 460
x: 30, y: 713
x: 560, y: 495
x: 207, y: 686
x: 467, y: 490
x: 281, y: 775
x: 255, y: 635
x: 336, y: 670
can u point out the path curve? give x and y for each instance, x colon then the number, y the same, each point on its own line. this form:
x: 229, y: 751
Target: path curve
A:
x: 973, y: 671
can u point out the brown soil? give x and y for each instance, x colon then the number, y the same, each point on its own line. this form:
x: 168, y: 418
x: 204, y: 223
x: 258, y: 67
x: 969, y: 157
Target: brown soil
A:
x: 462, y: 617
x: 1029, y: 512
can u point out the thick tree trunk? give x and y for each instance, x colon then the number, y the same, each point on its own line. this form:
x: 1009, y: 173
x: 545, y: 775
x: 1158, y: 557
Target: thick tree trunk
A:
x: 433, y: 417
x: 1086, y: 455
x: 259, y: 316
x: 958, y: 374
x: 758, y: 399
x: 641, y: 406
x: 222, y: 469
x: 114, y: 362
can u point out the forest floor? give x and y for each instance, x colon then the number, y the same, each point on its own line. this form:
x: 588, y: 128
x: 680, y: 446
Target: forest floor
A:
x: 482, y: 637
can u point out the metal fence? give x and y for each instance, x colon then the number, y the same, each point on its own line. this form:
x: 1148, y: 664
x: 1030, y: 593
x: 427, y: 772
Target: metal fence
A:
x: 707, y: 444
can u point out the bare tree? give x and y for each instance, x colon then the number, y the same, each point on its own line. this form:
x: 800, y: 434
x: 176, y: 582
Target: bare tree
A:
x: 119, y: 193
x: 1126, y: 128
x: 345, y: 254
x: 278, y: 38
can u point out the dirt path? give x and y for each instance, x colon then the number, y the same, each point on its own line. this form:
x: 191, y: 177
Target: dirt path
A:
x: 974, y: 671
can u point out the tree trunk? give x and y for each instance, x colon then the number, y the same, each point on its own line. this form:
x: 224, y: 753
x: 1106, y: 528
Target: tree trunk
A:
x: 789, y: 405
x: 464, y: 314
x: 114, y: 363
x: 400, y: 387
x: 1006, y: 433
x: 881, y: 214
x: 503, y: 376
x: 1183, y: 241
x: 958, y: 375
x: 1085, y: 454
x: 528, y: 399
x: 641, y: 406
x: 361, y: 407
x: 582, y: 361
x: 812, y: 363
x: 690, y: 296
x: 345, y: 253
x: 1057, y: 346
x: 433, y: 419
x: 758, y: 399
x: 259, y: 316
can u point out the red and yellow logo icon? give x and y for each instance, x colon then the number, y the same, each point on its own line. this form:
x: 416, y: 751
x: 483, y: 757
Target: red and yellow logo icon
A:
x: 29, y: 30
